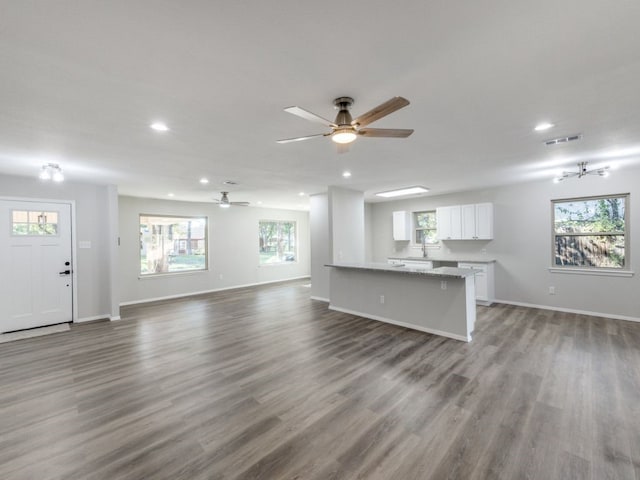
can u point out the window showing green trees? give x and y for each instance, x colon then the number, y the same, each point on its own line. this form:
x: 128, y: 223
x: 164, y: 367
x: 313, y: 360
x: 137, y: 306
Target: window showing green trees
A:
x: 172, y: 244
x: 277, y: 242
x: 425, y: 227
x: 591, y: 232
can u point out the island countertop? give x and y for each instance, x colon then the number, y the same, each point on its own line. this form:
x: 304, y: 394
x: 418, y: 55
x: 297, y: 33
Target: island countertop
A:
x: 459, y: 259
x: 440, y: 272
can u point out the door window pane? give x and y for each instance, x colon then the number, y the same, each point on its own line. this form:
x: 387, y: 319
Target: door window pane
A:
x: 29, y: 222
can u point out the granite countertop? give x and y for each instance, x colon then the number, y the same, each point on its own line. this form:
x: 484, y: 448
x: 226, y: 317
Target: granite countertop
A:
x: 440, y: 272
x: 462, y: 259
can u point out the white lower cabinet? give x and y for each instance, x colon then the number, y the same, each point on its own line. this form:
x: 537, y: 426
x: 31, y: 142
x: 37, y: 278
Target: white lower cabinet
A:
x: 484, y: 281
x: 419, y: 264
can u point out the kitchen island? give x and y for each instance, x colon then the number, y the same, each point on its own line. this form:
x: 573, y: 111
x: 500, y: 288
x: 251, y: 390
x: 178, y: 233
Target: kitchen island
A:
x: 439, y: 301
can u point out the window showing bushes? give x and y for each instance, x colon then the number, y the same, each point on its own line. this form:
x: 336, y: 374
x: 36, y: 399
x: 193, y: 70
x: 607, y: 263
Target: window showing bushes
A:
x: 591, y: 232
x: 172, y: 244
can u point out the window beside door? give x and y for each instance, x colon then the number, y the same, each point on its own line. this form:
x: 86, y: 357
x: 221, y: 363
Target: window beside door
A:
x: 591, y: 232
x: 277, y: 242
x: 171, y: 244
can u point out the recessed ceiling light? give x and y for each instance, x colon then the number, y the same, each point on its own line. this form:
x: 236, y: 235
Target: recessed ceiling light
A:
x: 541, y: 127
x: 204, y: 181
x: 301, y: 194
x: 259, y: 202
x: 346, y: 174
x: 403, y: 191
x: 159, y: 127
x: 170, y: 194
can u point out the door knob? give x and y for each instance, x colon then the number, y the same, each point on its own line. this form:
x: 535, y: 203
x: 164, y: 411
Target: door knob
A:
x: 66, y: 272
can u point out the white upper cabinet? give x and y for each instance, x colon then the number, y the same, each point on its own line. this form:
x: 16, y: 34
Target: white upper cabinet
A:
x: 401, y: 226
x: 477, y: 221
x: 449, y: 223
x: 484, y: 221
x: 465, y: 222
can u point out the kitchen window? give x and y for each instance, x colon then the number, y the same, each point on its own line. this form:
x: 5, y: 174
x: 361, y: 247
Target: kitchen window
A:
x: 425, y: 227
x: 172, y: 244
x: 277, y: 242
x: 591, y: 232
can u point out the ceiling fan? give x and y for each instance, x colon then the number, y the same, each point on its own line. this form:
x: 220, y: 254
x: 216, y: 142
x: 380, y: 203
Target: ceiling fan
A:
x: 225, y: 203
x: 345, y: 129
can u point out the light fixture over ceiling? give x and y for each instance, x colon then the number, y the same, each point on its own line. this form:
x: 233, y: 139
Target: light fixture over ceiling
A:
x: 51, y: 171
x: 582, y: 171
x: 403, y: 191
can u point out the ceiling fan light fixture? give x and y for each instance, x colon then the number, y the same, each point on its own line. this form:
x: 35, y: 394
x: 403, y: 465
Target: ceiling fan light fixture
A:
x: 343, y: 135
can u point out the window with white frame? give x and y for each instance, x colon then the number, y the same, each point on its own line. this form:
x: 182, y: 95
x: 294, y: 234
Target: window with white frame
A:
x: 171, y: 244
x: 425, y: 226
x: 591, y: 232
x: 277, y: 242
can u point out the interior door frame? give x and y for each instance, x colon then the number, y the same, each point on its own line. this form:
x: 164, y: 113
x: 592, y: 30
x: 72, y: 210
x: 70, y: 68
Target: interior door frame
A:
x: 74, y: 274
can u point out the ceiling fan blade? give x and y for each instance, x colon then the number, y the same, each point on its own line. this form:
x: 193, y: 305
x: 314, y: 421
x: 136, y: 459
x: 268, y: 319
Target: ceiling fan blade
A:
x: 382, y: 110
x: 240, y: 204
x: 297, y: 139
x: 386, y: 132
x: 307, y: 115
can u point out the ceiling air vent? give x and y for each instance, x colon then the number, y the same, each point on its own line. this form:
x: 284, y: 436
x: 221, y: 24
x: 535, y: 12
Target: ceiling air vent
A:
x: 570, y: 138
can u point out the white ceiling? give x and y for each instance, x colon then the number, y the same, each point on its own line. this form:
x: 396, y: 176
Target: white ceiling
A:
x: 80, y: 82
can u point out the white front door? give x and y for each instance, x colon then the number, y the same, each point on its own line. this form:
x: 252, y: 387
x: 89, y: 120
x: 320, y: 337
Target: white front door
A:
x: 35, y: 263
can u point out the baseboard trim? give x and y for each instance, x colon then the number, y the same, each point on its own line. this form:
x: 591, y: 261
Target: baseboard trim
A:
x: 202, y: 292
x: 106, y: 316
x: 462, y: 338
x: 320, y: 299
x: 115, y: 318
x: 570, y: 310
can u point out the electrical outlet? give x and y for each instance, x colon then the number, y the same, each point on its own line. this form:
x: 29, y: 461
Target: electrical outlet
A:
x: 484, y: 251
x: 443, y: 284
x: 552, y: 290
x: 382, y: 299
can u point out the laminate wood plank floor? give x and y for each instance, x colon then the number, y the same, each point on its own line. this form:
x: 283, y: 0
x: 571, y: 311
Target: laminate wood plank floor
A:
x: 264, y: 383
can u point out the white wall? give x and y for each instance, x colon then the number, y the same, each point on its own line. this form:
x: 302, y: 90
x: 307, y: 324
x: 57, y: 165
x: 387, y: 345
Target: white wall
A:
x: 93, y: 265
x: 346, y: 224
x: 233, y: 249
x: 321, y: 253
x: 522, y: 243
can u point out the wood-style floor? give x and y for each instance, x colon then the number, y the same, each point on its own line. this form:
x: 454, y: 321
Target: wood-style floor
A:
x: 263, y: 383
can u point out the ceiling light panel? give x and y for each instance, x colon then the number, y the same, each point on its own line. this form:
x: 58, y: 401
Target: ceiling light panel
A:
x: 403, y: 191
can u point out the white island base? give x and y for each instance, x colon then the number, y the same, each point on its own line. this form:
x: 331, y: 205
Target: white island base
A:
x: 439, y: 301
